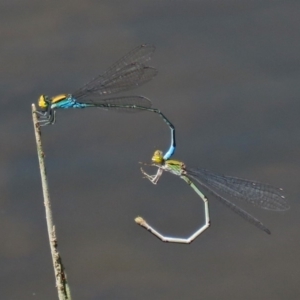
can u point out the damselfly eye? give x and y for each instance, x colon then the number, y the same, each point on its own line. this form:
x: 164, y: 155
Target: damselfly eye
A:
x: 42, y: 102
x: 158, y: 157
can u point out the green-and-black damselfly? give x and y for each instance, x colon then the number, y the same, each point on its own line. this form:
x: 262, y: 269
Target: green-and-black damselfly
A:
x: 222, y: 187
x: 127, y: 73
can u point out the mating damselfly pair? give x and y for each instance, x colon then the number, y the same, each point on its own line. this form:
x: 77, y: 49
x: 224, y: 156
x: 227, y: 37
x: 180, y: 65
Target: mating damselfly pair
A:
x: 127, y: 73
x: 130, y: 72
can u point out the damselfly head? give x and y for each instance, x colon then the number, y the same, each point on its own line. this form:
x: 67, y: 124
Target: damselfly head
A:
x: 43, y: 103
x: 158, y: 157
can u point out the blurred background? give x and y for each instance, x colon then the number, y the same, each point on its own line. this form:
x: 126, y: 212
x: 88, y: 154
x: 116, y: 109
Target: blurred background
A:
x: 228, y: 79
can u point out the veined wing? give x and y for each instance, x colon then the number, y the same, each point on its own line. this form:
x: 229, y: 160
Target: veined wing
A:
x: 221, y: 186
x: 262, y: 195
x: 139, y: 55
x: 127, y: 73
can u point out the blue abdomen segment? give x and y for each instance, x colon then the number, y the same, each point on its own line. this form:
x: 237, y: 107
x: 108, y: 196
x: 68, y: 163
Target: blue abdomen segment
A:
x: 68, y: 102
x: 170, y: 152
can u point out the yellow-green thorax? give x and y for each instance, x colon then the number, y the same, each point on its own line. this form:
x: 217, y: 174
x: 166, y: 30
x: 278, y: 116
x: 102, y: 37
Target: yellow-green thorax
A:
x: 174, y: 166
x: 45, y: 101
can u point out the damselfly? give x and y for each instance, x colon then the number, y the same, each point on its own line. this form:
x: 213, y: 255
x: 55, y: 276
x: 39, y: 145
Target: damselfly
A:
x: 222, y: 187
x: 129, y: 72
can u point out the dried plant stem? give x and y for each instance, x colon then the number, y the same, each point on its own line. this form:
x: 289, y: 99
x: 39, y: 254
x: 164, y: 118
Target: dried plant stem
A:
x: 59, y: 271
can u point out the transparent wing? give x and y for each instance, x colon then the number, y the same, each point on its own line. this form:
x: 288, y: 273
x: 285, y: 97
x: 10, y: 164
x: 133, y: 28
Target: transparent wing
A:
x: 222, y: 187
x: 139, y: 55
x: 127, y: 73
x: 259, y: 194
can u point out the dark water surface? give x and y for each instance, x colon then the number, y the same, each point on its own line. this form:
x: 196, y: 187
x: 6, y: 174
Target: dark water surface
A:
x: 228, y: 79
